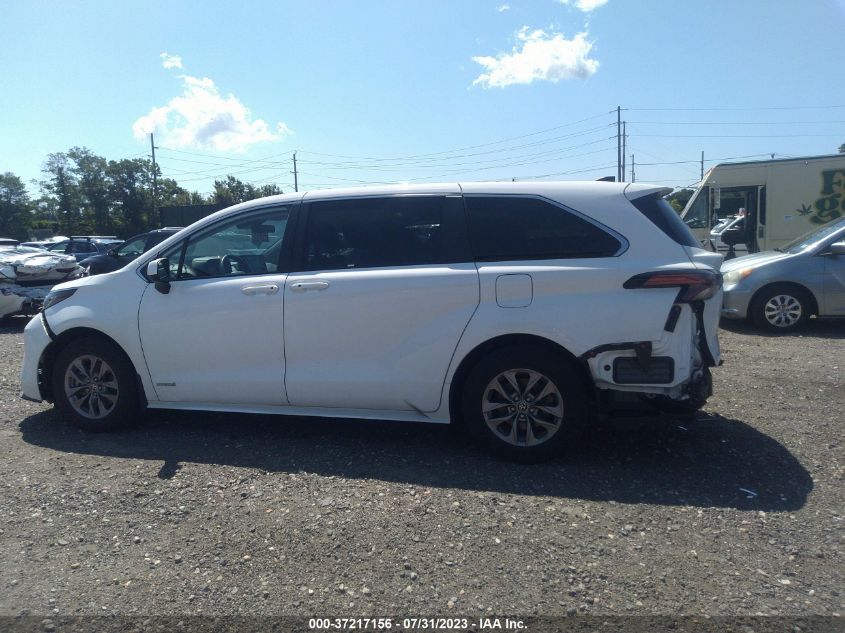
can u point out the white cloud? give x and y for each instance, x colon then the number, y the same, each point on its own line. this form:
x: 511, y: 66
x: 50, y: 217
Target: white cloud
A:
x: 585, y: 5
x: 503, y: 7
x: 170, y: 61
x: 202, y: 118
x: 541, y: 57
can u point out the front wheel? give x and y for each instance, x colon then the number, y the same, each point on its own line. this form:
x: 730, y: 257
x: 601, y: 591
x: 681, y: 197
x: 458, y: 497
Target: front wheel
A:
x: 781, y: 308
x: 525, y: 403
x: 94, y: 385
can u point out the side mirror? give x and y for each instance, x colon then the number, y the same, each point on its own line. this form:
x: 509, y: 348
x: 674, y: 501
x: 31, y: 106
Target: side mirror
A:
x: 158, y: 271
x: 112, y: 252
x: 837, y: 248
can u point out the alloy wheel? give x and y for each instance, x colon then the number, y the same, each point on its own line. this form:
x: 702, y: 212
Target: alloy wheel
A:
x: 91, y: 387
x: 522, y: 407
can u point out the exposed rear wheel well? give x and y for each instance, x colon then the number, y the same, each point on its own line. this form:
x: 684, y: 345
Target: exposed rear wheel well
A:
x: 512, y: 340
x: 48, y: 358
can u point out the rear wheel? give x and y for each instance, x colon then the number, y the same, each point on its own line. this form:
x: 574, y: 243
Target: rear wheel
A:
x: 525, y: 403
x: 781, y: 308
x: 94, y: 385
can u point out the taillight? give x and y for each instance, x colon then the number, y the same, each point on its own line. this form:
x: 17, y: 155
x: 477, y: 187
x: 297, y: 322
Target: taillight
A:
x: 694, y: 285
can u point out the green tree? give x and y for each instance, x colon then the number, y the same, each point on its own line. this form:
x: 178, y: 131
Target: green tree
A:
x: 15, y: 208
x: 842, y: 148
x: 62, y: 188
x: 91, y: 176
x: 678, y: 199
x: 130, y: 190
x: 268, y: 190
x: 232, y: 191
x: 171, y: 194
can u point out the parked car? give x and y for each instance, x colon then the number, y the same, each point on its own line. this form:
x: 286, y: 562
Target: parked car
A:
x: 120, y: 255
x: 84, y: 246
x: 511, y: 308
x: 779, y: 290
x: 45, y: 243
x: 28, y: 274
x: 8, y: 241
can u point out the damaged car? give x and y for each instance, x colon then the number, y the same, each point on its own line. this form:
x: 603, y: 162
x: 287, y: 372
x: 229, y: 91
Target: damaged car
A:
x: 516, y: 310
x: 28, y: 274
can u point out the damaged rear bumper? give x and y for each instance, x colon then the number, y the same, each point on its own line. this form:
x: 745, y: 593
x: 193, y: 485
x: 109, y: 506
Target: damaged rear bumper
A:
x: 676, y: 366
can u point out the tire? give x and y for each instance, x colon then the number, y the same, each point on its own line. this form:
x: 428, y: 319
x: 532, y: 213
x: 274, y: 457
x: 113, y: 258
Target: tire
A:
x: 94, y: 363
x: 781, y: 308
x: 514, y: 377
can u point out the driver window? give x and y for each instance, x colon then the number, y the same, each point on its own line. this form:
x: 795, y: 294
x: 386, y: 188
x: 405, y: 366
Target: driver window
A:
x: 247, y: 245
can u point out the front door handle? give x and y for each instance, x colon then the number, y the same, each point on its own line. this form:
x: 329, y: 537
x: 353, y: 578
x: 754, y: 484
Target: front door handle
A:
x: 260, y: 289
x: 302, y: 286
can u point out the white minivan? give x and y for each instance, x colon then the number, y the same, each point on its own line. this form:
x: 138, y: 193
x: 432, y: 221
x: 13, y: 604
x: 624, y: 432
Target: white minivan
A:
x: 515, y: 309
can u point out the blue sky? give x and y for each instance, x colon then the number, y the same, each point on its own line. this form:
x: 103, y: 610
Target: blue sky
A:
x: 378, y: 91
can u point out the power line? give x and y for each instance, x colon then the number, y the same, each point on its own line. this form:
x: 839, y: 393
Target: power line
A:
x: 468, y: 147
x: 567, y: 173
x: 736, y: 109
x: 396, y: 166
x: 736, y: 122
x: 182, y: 151
x: 736, y: 135
x: 709, y: 160
x: 448, y: 168
x: 509, y: 160
x: 355, y: 165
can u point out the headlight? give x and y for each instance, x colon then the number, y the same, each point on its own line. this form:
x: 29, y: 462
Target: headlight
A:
x: 735, y: 276
x: 56, y: 296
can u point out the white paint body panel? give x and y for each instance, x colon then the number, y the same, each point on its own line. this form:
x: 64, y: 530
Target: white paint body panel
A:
x: 207, y: 340
x: 376, y: 339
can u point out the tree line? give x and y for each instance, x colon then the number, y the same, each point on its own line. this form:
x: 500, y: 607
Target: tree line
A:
x: 85, y: 194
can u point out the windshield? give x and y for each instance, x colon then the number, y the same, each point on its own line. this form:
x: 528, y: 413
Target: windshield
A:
x: 813, y: 237
x: 696, y: 213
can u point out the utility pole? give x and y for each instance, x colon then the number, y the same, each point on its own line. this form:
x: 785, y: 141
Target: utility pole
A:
x: 155, y: 179
x: 618, y: 144
x: 295, y: 174
x: 702, y: 164
x: 624, y: 144
x: 633, y: 173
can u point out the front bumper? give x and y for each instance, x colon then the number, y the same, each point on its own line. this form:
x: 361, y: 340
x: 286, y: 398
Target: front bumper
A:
x: 36, y: 340
x: 735, y: 303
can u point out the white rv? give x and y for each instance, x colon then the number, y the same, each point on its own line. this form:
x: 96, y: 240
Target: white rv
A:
x: 782, y: 198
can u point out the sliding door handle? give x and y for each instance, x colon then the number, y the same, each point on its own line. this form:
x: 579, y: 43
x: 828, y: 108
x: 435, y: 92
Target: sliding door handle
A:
x: 302, y: 286
x: 260, y: 289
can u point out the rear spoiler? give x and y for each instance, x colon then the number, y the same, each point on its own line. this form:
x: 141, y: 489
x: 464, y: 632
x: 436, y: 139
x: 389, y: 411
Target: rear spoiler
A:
x: 634, y: 191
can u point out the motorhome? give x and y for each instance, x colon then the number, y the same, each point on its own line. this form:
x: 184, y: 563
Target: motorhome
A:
x: 781, y: 199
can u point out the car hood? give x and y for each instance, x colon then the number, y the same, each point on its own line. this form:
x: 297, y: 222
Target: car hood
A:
x: 33, y: 263
x: 96, y: 259
x: 753, y: 261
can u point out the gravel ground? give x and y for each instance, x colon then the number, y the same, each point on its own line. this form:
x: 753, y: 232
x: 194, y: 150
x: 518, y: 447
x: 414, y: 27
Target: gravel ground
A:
x: 738, y: 512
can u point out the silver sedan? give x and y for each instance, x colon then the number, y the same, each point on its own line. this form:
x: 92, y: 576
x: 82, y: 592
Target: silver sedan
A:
x: 779, y: 290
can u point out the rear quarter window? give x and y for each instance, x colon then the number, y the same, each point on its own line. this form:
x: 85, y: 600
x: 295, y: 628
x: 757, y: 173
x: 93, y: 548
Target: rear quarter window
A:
x: 516, y: 227
x: 663, y: 216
